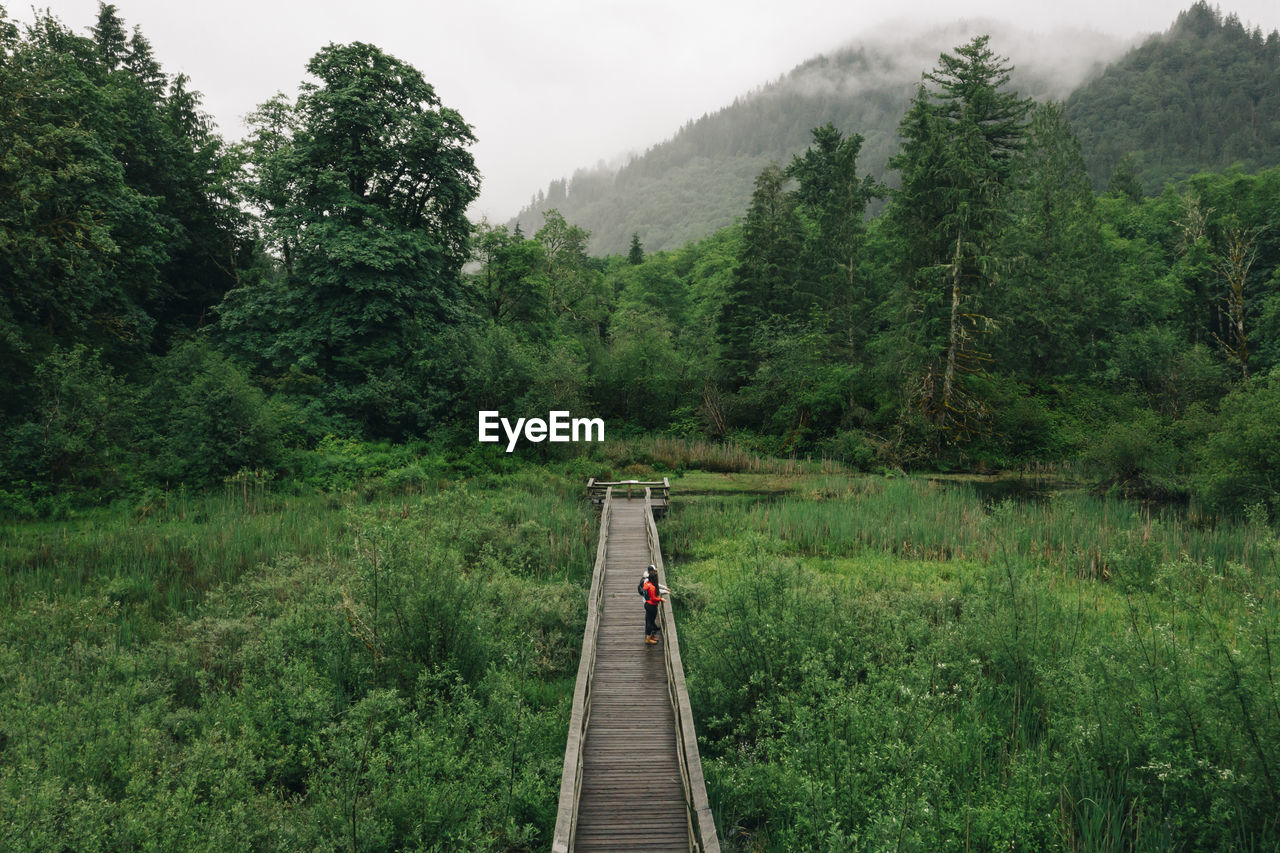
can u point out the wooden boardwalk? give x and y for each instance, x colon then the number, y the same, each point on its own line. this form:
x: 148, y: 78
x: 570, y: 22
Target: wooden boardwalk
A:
x: 632, y: 775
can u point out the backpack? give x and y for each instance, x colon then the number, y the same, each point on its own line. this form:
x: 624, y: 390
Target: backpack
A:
x: 643, y: 579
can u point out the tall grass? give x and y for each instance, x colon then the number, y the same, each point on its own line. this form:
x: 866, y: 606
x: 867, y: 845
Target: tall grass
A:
x: 676, y: 454
x: 378, y: 668
x: 1073, y: 534
x: 166, y: 556
x: 888, y: 664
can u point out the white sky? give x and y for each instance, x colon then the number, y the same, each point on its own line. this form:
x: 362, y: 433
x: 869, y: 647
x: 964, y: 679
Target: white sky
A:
x: 554, y: 85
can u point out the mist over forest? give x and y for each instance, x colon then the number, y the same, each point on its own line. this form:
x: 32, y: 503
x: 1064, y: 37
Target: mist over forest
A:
x: 864, y: 85
x: 699, y: 180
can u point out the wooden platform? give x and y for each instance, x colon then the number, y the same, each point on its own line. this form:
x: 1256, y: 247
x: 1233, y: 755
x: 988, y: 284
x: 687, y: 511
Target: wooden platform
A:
x: 659, y: 492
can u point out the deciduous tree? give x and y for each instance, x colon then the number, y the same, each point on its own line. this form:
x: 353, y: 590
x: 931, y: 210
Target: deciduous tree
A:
x: 365, y: 183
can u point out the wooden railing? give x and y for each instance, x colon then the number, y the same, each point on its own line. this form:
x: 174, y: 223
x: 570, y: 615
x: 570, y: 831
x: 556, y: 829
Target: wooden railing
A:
x: 702, y: 827
x: 660, y: 490
x: 571, y: 774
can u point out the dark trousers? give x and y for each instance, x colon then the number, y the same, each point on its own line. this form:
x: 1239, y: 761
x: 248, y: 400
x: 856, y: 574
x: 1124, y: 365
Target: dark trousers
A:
x: 650, y: 619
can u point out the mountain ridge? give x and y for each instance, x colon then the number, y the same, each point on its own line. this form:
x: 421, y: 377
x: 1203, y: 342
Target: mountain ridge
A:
x: 699, y: 179
x: 1203, y: 95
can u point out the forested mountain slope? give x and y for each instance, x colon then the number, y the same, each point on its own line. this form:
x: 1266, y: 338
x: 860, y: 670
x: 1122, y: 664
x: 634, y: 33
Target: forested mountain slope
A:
x: 700, y: 179
x: 1202, y: 96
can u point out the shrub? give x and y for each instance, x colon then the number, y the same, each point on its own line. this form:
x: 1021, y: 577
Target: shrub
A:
x: 1239, y: 463
x: 85, y: 420
x: 208, y: 419
x: 1135, y: 454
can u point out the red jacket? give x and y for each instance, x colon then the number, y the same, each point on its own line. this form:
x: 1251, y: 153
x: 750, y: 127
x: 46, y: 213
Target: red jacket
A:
x: 651, y: 593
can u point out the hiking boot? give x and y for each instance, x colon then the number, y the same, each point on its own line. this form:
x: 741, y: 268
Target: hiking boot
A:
x: 650, y: 640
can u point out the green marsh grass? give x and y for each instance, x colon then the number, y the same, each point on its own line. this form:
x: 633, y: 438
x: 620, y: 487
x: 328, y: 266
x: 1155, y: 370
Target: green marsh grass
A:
x: 678, y: 454
x: 166, y: 559
x: 1071, y: 533
x: 895, y: 664
x: 375, y: 668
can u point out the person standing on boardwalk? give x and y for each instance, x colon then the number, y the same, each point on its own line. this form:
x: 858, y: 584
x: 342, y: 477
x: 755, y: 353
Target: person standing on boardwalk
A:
x: 652, y: 598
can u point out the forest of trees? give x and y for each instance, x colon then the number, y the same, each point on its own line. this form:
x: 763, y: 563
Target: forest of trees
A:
x: 700, y: 179
x: 1202, y: 96
x: 177, y: 308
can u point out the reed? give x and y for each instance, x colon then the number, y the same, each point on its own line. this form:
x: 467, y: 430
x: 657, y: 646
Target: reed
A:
x: 678, y: 454
x: 1071, y: 533
x: 166, y: 556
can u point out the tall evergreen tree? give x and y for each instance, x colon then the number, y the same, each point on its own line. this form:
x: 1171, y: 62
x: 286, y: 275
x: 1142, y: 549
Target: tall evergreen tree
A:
x: 832, y: 200
x: 1053, y: 303
x: 142, y: 62
x: 81, y: 245
x: 635, y: 255
x: 1124, y: 181
x: 110, y: 37
x: 765, y: 277
x: 959, y: 144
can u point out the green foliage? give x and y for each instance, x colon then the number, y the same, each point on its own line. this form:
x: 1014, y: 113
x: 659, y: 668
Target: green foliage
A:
x: 799, y: 287
x: 993, y: 697
x: 344, y: 464
x: 119, y: 230
x: 764, y: 281
x: 643, y: 379
x: 1124, y: 181
x: 510, y: 287
x: 208, y: 419
x: 700, y: 179
x: 960, y: 146
x: 1135, y: 453
x: 364, y: 182
x: 573, y: 288
x: 1054, y: 295
x: 1173, y: 376
x: 797, y: 392
x: 78, y: 437
x: 385, y: 675
x: 384, y: 659
x: 967, y: 327
x: 833, y: 198
x: 1238, y: 465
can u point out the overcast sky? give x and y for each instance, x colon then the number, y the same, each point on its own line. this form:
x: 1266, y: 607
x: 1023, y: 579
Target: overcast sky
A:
x: 554, y: 85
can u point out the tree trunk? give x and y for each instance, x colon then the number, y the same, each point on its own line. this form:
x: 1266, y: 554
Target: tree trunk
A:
x: 1241, y: 251
x: 953, y: 338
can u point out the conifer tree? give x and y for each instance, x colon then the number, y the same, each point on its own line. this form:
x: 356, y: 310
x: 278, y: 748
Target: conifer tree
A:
x: 764, y: 280
x: 109, y: 37
x: 832, y: 200
x: 1053, y: 300
x: 959, y: 143
x: 1124, y: 181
